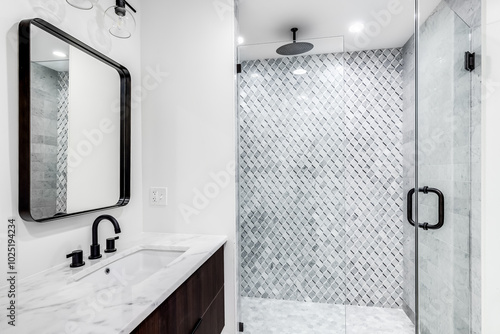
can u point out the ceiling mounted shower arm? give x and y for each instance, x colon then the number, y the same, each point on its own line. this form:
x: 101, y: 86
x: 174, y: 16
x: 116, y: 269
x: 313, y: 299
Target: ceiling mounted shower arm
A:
x: 294, y: 31
x: 294, y: 48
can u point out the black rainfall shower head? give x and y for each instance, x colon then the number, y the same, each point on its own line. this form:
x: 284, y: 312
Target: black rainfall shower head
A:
x: 294, y: 48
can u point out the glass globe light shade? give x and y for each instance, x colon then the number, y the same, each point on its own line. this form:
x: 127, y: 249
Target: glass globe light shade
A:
x: 120, y: 22
x: 81, y: 4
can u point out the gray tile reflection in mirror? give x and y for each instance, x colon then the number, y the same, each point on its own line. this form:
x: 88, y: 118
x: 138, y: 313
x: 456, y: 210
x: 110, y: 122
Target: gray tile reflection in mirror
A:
x: 49, y: 107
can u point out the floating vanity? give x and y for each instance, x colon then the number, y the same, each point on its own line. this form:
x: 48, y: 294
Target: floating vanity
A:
x: 155, y: 283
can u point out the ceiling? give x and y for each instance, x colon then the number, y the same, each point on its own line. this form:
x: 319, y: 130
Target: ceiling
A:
x: 43, y: 46
x: 265, y: 24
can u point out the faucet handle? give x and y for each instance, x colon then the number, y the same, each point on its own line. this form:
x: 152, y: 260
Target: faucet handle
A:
x: 110, y: 245
x: 77, y: 258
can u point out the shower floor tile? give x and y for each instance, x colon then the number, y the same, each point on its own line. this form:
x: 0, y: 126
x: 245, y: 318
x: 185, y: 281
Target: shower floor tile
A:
x: 269, y: 316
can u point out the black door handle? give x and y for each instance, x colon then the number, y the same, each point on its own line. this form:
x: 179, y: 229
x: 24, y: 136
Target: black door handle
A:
x: 409, y: 208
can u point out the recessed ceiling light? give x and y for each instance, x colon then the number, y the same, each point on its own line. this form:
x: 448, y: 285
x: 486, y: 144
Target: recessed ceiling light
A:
x: 59, y: 54
x: 299, y: 71
x: 356, y: 27
x: 254, y: 75
x: 241, y: 40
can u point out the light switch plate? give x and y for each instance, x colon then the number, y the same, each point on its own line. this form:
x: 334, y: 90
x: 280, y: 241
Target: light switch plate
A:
x: 158, y: 196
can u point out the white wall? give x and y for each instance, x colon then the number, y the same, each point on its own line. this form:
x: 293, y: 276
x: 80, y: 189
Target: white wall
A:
x: 41, y: 246
x: 189, y: 140
x: 93, y: 133
x: 491, y: 167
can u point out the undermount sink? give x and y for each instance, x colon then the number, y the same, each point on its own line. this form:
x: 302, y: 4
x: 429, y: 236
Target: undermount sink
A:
x: 128, y: 270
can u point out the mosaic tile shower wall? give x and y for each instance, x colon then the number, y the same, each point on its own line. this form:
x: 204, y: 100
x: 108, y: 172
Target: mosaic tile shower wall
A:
x: 49, y: 101
x: 62, y: 141
x: 321, y: 178
x: 374, y: 177
x: 292, y: 167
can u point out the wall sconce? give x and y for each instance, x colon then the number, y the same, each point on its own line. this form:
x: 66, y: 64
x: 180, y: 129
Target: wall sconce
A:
x: 119, y: 20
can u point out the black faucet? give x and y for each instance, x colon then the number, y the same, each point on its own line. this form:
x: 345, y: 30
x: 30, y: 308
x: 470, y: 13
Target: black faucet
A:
x: 95, y: 248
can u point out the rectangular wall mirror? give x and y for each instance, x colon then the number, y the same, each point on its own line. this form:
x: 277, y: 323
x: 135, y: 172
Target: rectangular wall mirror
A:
x: 74, y: 126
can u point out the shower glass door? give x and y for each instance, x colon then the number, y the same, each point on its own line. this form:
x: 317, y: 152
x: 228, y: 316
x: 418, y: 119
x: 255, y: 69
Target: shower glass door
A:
x: 443, y: 174
x: 291, y: 123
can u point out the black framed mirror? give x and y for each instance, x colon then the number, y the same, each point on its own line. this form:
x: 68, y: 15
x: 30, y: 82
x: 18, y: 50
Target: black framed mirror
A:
x: 74, y: 126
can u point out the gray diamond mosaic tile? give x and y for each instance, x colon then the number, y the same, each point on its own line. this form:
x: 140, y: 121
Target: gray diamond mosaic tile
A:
x: 374, y: 177
x: 62, y: 141
x: 320, y: 175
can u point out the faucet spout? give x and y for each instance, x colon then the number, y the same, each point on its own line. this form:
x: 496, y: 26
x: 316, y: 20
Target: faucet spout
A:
x: 95, y: 251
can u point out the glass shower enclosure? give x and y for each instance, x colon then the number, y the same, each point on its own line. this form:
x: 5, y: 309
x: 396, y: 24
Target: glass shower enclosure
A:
x: 444, y: 176
x: 356, y: 189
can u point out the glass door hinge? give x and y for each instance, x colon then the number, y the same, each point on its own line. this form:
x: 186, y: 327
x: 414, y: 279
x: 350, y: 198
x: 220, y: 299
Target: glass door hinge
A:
x: 470, y: 61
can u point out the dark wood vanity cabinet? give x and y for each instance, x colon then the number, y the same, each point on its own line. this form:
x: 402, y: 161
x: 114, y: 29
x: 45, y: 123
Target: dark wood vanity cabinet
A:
x: 196, y: 307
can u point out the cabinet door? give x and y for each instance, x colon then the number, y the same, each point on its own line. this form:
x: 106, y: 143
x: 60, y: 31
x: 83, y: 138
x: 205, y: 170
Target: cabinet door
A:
x: 151, y: 325
x: 200, y: 296
x: 182, y: 310
x: 213, y: 319
x: 188, y: 304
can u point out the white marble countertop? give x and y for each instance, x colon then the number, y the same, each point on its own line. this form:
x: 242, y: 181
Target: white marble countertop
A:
x: 54, y: 302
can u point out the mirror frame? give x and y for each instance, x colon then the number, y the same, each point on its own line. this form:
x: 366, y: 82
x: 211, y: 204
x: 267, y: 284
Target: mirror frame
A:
x: 25, y: 118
